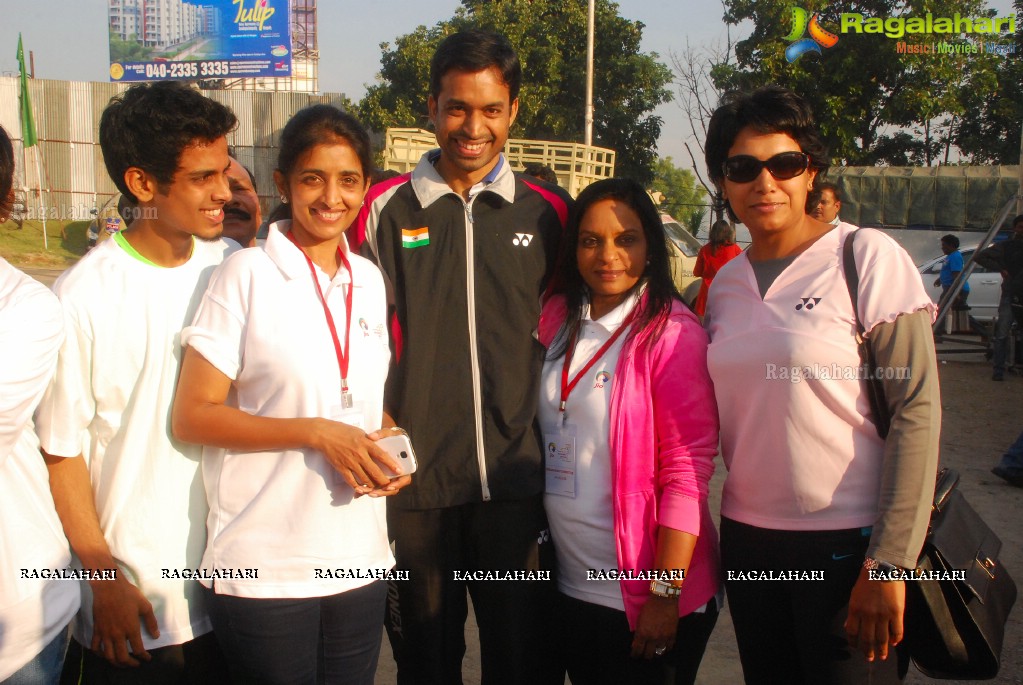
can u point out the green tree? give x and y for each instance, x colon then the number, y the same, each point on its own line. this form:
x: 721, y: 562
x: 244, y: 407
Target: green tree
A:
x: 550, y: 38
x: 130, y: 50
x: 683, y: 198
x: 995, y: 97
x: 873, y: 105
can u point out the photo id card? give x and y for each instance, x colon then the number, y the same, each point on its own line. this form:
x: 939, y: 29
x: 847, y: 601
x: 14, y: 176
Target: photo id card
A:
x: 560, y: 460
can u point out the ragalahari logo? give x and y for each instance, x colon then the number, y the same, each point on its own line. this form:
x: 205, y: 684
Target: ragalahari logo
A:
x: 819, y: 38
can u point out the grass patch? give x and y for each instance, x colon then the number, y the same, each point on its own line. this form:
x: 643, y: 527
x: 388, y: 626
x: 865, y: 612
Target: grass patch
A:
x: 24, y: 246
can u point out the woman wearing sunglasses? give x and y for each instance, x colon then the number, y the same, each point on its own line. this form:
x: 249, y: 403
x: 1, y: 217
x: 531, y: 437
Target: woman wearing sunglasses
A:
x: 630, y: 429
x: 815, y: 500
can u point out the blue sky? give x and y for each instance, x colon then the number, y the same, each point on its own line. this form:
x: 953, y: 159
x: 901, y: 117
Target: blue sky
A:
x: 69, y: 39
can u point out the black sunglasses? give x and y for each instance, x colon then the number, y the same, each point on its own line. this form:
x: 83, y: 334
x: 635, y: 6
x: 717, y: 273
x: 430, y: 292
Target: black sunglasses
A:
x: 783, y: 166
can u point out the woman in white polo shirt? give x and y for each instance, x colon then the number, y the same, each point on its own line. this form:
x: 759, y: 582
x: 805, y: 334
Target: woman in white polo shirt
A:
x: 813, y: 492
x: 282, y: 379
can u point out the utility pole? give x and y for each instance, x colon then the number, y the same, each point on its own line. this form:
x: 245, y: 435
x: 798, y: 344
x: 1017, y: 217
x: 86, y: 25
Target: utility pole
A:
x: 588, y: 129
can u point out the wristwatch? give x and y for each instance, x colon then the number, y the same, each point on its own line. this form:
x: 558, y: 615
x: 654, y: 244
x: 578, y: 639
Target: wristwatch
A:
x: 882, y: 569
x: 660, y: 588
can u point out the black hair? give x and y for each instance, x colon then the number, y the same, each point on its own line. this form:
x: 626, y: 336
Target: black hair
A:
x: 827, y: 185
x: 6, y: 174
x: 950, y: 239
x: 475, y: 50
x: 660, y: 287
x: 1017, y: 221
x: 316, y: 125
x: 771, y: 109
x: 149, y: 125
x: 541, y: 171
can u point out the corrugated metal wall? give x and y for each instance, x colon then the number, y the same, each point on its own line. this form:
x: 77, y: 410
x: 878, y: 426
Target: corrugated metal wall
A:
x: 74, y: 178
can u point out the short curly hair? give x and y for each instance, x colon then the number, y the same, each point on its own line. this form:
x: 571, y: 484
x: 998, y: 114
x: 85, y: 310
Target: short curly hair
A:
x: 771, y: 109
x: 149, y: 125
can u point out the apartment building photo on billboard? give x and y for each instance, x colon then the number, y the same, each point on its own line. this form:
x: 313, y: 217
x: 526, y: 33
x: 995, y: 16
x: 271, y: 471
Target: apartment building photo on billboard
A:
x: 206, y: 40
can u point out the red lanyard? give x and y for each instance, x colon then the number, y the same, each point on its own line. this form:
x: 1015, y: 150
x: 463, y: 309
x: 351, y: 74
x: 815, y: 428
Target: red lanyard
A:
x: 342, y: 356
x: 566, y: 386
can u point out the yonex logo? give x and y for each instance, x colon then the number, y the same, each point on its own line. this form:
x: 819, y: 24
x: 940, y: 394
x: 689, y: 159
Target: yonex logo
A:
x: 522, y: 239
x: 819, y: 38
x: 808, y: 303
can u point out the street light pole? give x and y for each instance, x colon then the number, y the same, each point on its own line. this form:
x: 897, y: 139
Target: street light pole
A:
x: 588, y: 129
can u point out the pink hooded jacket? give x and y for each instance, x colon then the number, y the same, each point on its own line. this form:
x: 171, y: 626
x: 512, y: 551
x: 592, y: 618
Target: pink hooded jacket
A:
x: 664, y: 435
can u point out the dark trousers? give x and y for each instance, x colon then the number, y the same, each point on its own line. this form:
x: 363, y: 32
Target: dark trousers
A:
x: 792, y: 631
x: 328, y: 640
x: 196, y: 662
x: 596, y: 643
x: 426, y: 614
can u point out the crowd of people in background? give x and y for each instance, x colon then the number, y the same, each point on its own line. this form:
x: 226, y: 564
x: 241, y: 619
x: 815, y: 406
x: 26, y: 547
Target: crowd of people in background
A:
x: 208, y: 443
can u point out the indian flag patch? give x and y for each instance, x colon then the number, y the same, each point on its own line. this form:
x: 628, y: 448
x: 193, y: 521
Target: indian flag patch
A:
x: 415, y: 237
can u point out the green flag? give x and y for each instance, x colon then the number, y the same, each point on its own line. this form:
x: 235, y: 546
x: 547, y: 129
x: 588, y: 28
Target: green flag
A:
x: 28, y: 124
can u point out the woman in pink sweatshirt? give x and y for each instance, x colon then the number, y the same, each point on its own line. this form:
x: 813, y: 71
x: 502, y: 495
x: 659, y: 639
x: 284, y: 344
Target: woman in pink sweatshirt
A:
x: 631, y: 431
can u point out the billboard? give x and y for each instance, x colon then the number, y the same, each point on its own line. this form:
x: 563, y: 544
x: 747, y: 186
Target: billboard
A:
x: 158, y: 40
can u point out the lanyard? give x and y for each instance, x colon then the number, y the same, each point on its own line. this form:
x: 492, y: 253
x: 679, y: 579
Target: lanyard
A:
x: 566, y: 386
x: 342, y: 356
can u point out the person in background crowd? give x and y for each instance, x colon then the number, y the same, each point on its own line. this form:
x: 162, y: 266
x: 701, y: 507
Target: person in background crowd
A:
x: 812, y: 487
x: 466, y: 247
x: 35, y: 610
x: 541, y: 171
x: 242, y: 213
x: 1010, y: 468
x: 1006, y: 257
x: 829, y: 205
x: 132, y: 501
x: 951, y: 268
x: 629, y: 493
x: 284, y: 368
x: 719, y: 250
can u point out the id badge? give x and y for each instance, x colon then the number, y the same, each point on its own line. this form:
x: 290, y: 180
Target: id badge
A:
x: 560, y: 461
x: 355, y: 415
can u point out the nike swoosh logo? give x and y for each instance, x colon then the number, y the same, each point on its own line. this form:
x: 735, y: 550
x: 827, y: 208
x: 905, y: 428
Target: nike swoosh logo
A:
x: 839, y: 557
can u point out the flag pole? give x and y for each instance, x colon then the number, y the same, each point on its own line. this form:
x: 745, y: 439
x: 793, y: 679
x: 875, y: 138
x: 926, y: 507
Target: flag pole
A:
x: 39, y: 194
x: 28, y: 134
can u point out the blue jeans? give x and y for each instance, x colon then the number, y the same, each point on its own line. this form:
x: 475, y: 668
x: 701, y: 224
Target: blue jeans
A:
x: 1000, y: 339
x: 320, y: 640
x: 45, y: 668
x: 1012, y: 460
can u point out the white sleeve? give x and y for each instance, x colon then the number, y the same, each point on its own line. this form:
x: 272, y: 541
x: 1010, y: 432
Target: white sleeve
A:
x: 68, y: 406
x: 31, y: 330
x: 218, y: 329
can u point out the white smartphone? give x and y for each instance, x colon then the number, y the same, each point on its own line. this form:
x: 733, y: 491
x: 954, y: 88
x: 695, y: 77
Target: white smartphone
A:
x: 398, y: 445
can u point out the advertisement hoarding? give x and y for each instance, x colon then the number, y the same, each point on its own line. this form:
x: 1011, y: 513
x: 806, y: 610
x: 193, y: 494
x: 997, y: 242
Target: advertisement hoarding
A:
x: 157, y: 40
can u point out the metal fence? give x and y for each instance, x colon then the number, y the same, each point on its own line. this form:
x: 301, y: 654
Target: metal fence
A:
x: 73, y: 177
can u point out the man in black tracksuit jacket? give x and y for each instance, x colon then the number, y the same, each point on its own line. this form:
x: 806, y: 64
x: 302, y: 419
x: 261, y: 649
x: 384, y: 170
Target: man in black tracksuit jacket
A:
x: 466, y: 247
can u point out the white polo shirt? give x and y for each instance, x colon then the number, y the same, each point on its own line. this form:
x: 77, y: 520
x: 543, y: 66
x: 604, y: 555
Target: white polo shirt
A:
x: 288, y: 515
x: 583, y: 526
x: 110, y: 401
x: 34, y: 607
x: 796, y: 435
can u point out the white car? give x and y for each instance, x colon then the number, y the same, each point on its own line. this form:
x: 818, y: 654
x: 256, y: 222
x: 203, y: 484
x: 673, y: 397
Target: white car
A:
x: 985, y: 286
x: 683, y: 249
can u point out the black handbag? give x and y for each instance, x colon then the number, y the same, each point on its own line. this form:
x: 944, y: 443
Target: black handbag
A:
x: 954, y: 625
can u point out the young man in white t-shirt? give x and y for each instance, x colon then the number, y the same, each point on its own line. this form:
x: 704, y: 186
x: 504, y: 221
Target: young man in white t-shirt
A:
x: 129, y: 496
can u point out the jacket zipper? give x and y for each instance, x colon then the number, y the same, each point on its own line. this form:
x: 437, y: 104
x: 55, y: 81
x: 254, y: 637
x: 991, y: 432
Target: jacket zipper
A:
x: 477, y: 392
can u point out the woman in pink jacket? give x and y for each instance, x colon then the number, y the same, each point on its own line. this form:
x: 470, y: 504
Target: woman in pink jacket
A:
x: 631, y: 431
